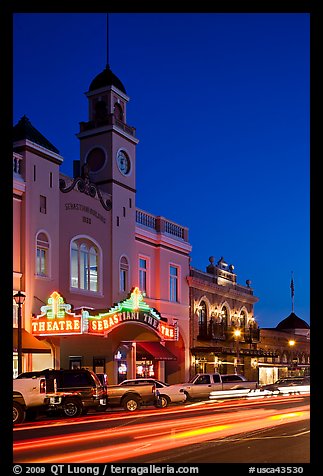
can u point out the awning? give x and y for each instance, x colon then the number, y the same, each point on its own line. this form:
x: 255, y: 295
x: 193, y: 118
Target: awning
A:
x: 156, y: 350
x: 30, y: 344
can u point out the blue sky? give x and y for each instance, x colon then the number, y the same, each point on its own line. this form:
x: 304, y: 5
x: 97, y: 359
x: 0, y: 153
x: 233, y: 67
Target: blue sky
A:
x: 220, y: 102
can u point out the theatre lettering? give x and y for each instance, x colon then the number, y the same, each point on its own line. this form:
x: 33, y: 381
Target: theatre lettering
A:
x: 102, y: 324
x: 57, y: 326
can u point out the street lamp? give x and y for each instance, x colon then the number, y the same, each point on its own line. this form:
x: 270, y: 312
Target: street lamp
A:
x: 19, y: 298
x: 237, y: 334
x: 291, y: 343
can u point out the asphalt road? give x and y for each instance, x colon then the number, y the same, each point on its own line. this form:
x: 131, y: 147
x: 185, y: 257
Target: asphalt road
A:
x: 268, y: 430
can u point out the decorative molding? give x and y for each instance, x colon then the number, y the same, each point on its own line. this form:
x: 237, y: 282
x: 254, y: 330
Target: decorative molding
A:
x: 84, y: 185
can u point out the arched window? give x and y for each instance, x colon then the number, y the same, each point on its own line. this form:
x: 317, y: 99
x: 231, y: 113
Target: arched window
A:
x: 84, y: 265
x: 100, y: 110
x: 202, y: 319
x: 243, y: 319
x: 118, y: 112
x: 42, y: 255
x: 225, y: 315
x: 124, y: 269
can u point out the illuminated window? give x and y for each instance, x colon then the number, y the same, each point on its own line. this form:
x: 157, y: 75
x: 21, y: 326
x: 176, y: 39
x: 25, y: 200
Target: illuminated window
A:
x: 243, y: 319
x: 42, y: 254
x: 224, y: 315
x: 124, y: 268
x: 143, y: 275
x: 173, y: 283
x: 84, y: 265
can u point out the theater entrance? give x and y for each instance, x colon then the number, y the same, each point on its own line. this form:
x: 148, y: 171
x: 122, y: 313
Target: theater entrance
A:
x: 141, y: 359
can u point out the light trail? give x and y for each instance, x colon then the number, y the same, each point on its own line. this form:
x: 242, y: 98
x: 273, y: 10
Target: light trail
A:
x: 142, y: 438
x: 202, y: 405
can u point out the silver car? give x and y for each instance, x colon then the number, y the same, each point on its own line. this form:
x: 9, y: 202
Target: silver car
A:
x: 165, y: 392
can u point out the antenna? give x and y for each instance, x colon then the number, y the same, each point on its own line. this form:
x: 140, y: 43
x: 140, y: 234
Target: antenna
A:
x: 292, y: 290
x: 107, y: 40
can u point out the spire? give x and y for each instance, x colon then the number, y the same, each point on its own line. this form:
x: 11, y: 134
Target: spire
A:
x: 292, y: 291
x: 108, y: 66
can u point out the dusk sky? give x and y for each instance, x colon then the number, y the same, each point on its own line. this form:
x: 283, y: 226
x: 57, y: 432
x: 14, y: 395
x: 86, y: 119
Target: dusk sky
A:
x: 220, y: 103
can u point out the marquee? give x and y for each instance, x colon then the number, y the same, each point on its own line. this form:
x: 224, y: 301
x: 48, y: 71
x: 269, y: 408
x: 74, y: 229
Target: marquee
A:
x: 57, y: 319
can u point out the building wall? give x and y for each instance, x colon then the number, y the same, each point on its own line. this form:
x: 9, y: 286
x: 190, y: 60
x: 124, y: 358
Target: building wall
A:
x: 73, y: 214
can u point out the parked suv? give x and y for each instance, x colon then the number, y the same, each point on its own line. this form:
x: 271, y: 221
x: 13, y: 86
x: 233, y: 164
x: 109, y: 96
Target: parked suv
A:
x: 72, y: 391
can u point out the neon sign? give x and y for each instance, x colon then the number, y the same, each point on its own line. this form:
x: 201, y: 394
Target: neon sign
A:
x: 133, y: 309
x: 56, y: 319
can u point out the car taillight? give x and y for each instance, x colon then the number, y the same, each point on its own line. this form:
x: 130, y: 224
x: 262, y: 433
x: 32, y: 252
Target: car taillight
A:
x: 42, y: 385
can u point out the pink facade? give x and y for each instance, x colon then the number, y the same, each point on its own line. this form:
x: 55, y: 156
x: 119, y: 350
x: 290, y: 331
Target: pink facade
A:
x: 84, y: 238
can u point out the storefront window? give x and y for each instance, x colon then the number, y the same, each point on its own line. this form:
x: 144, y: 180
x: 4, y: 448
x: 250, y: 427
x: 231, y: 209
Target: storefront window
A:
x: 75, y: 362
x: 122, y: 370
x: 145, y: 369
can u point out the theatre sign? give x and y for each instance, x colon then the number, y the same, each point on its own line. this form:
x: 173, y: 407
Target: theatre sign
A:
x: 56, y: 318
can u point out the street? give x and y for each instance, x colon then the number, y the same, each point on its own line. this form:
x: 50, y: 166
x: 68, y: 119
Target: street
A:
x: 259, y: 430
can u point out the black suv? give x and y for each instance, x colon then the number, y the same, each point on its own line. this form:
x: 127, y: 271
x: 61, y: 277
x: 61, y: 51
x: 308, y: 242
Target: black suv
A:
x: 72, y: 391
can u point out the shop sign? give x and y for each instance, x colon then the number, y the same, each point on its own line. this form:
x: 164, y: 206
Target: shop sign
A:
x: 56, y: 319
x: 133, y: 309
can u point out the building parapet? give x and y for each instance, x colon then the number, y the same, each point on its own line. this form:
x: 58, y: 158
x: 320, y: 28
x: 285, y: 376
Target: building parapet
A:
x: 213, y: 279
x: 161, y: 225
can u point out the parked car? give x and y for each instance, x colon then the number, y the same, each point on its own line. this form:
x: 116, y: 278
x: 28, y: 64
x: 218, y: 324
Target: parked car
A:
x: 131, y: 395
x: 288, y: 384
x: 201, y: 385
x: 72, y: 391
x: 165, y: 392
x: 29, y: 398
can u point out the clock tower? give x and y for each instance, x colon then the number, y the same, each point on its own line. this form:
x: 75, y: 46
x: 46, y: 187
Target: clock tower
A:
x: 108, y: 155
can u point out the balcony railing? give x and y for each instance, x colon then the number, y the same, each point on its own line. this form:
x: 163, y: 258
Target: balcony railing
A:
x: 220, y: 331
x: 109, y: 120
x: 17, y: 163
x: 146, y: 219
x: 161, y: 225
x: 214, y: 331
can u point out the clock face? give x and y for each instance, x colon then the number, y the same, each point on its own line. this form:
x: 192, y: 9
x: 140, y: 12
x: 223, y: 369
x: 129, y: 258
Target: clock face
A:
x: 123, y: 162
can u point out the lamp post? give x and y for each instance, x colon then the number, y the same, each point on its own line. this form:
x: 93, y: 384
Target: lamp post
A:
x: 19, y: 298
x: 237, y: 334
x: 291, y: 343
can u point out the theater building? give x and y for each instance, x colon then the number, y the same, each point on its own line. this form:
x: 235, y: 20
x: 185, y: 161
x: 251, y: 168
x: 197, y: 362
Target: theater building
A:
x: 105, y: 282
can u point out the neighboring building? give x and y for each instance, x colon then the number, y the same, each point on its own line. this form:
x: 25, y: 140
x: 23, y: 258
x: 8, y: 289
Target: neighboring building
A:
x: 224, y: 333
x: 286, y: 349
x: 82, y: 249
